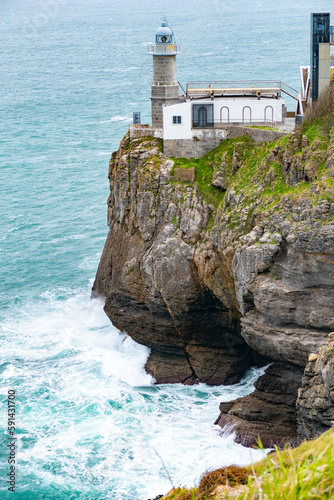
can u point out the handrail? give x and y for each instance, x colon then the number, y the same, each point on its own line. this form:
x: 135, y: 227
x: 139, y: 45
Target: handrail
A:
x: 234, y: 82
x: 290, y: 91
x: 240, y: 83
x: 181, y: 87
x: 246, y: 85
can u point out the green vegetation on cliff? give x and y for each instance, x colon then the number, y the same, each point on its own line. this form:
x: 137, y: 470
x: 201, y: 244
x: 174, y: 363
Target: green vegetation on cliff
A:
x: 254, y: 170
x: 306, y: 472
x: 247, y: 182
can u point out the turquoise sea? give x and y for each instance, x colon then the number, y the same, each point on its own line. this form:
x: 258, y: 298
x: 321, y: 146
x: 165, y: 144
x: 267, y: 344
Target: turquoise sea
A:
x: 89, y: 421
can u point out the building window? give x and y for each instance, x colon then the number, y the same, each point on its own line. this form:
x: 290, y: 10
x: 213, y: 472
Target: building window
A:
x: 177, y: 120
x: 203, y: 115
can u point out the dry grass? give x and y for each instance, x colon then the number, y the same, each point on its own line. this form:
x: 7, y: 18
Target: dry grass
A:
x: 303, y: 473
x: 231, y: 476
x: 321, y: 112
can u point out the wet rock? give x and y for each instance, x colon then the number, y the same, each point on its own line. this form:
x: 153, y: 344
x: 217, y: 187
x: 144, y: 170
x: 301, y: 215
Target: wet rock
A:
x: 269, y: 412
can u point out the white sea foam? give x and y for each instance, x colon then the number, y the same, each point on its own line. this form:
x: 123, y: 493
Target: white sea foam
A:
x: 89, y: 410
x: 118, y: 118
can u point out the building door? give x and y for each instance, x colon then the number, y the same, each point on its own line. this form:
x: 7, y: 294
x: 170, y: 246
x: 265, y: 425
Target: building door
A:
x: 224, y: 114
x: 268, y: 114
x: 246, y: 114
x: 202, y: 117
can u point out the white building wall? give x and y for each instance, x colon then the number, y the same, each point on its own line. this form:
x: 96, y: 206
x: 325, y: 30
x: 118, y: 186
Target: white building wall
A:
x: 239, y: 110
x: 177, y: 131
x: 235, y: 110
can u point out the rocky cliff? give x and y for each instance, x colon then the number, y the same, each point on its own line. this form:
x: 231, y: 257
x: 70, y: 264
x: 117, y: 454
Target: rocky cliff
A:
x: 233, y: 269
x: 315, y: 403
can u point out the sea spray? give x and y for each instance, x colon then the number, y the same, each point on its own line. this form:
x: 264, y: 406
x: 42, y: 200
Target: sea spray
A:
x: 90, y: 418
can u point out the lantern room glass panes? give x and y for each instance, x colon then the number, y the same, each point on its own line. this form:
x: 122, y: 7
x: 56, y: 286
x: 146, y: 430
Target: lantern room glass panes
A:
x: 164, y: 39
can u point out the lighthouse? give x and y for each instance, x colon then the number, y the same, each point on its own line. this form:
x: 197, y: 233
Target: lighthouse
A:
x: 164, y: 90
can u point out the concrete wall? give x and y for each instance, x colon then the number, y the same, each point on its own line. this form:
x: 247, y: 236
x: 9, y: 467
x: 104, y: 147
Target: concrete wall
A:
x: 189, y: 148
x: 324, y: 65
x: 205, y: 140
x: 164, y: 70
x: 257, y: 134
x: 144, y: 130
x: 195, y: 147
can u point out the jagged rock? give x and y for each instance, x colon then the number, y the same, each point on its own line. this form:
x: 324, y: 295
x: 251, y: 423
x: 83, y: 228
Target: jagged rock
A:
x: 273, y: 154
x: 330, y: 155
x: 269, y: 412
x: 286, y: 294
x: 219, y: 177
x: 304, y: 142
x: 237, y: 156
x: 315, y: 403
x: 314, y: 156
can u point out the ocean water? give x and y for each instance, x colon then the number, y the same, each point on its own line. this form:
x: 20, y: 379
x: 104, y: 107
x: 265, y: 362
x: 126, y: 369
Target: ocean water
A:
x: 89, y: 420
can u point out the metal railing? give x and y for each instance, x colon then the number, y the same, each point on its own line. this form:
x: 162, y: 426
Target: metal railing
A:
x: 290, y: 91
x: 228, y: 84
x: 255, y: 87
x: 163, y: 50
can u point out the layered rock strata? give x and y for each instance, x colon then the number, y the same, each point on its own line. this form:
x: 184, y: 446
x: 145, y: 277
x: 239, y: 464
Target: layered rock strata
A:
x: 268, y: 413
x: 315, y: 403
x: 209, y: 280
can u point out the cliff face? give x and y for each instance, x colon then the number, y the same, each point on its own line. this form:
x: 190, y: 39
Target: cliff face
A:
x: 232, y: 269
x: 164, y: 283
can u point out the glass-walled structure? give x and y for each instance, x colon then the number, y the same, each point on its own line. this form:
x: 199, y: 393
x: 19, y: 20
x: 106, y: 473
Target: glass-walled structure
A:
x: 320, y: 33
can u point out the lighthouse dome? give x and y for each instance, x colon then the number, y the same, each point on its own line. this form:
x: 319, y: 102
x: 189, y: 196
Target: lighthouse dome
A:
x: 164, y: 34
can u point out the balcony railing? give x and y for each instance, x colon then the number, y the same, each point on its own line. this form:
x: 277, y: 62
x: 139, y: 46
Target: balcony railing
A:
x: 228, y: 84
x: 253, y: 87
x: 163, y: 50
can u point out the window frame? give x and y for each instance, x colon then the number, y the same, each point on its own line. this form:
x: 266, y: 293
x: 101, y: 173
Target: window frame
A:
x: 177, y: 120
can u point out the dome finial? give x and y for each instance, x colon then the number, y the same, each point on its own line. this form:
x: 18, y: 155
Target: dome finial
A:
x: 164, y: 21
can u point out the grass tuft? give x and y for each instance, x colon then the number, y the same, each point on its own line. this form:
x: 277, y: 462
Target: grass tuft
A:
x: 303, y: 473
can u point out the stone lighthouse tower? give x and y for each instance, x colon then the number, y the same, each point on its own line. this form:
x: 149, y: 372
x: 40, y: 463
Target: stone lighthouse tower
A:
x: 164, y: 85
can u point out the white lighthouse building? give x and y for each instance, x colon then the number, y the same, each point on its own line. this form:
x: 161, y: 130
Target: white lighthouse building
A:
x: 207, y: 112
